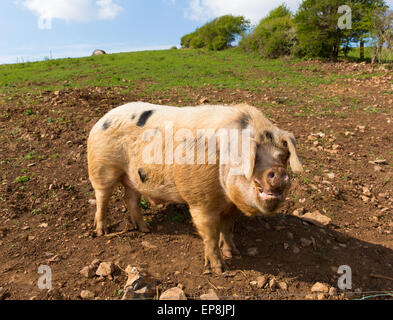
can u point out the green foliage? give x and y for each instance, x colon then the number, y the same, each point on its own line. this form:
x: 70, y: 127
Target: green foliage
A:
x: 317, y: 29
x: 273, y: 37
x: 22, y: 179
x: 217, y: 34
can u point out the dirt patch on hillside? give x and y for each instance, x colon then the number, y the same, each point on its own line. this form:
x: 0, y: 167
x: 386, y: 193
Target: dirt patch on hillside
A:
x: 343, y: 134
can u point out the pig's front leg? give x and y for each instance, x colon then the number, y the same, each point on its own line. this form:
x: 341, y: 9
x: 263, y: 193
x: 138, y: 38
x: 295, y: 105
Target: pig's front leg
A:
x: 208, y: 226
x: 227, y: 245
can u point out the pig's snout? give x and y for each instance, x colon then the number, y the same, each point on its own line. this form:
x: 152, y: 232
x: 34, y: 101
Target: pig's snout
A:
x: 276, y: 179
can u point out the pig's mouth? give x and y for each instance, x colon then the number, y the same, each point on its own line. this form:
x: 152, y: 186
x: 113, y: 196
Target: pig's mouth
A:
x: 265, y: 195
x: 269, y: 195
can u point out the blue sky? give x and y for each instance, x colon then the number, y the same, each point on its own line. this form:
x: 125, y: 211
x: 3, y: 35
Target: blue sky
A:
x: 31, y: 30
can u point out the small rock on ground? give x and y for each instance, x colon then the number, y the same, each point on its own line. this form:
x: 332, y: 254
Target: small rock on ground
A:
x: 283, y: 286
x: 252, y: 252
x: 210, y: 295
x: 332, y: 291
x: 273, y: 285
x: 105, y: 269
x: 173, y: 294
x: 262, y: 281
x: 88, y: 271
x: 3, y: 293
x: 86, y: 294
x: 320, y: 287
x: 316, y: 218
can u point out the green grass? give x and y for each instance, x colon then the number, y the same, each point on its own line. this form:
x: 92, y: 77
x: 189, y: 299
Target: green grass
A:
x: 159, y: 71
x: 354, y: 54
x: 22, y: 179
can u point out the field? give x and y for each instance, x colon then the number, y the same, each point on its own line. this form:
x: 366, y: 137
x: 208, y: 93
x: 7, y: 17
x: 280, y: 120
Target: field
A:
x: 341, y: 114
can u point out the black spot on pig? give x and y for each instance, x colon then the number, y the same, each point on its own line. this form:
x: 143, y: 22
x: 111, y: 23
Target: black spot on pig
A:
x: 243, y: 121
x: 133, y: 116
x: 106, y: 125
x: 142, y: 175
x: 144, y: 117
x: 268, y: 136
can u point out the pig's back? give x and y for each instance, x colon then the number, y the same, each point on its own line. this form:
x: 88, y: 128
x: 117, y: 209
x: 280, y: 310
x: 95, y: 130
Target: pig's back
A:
x: 145, y: 115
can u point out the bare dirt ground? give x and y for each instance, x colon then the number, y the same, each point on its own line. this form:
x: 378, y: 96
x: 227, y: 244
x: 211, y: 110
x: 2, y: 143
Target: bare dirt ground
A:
x: 342, y: 129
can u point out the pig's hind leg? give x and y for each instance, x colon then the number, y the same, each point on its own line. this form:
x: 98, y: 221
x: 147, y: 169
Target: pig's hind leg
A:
x: 103, y: 179
x: 102, y: 200
x: 227, y: 245
x: 131, y: 199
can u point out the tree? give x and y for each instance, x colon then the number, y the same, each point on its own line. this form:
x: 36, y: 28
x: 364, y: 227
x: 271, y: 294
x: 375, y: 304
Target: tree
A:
x: 381, y: 31
x: 274, y: 36
x: 363, y: 13
x: 217, y: 34
x: 317, y: 27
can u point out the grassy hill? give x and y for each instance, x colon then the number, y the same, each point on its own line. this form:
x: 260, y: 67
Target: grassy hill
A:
x: 159, y: 71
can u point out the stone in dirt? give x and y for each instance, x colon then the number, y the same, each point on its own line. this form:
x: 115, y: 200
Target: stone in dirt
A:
x: 148, y: 245
x: 273, y: 284
x: 320, y: 287
x: 210, y: 295
x: 299, y: 212
x: 96, y: 262
x: 305, y: 242
x: 262, y: 281
x: 173, y: 294
x: 139, y: 285
x: 3, y: 293
x: 105, y: 269
x: 316, y: 218
x: 332, y: 291
x: 88, y: 271
x: 321, y: 296
x: 283, y: 285
x: 252, y: 252
x: 86, y: 294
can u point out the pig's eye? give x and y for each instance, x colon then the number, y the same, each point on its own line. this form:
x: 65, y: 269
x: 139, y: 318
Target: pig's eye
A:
x: 284, y: 156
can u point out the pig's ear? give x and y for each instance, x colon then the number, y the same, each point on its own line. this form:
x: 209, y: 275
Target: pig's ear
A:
x: 288, y: 141
x: 249, y: 164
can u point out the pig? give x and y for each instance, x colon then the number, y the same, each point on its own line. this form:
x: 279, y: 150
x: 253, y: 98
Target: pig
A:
x: 121, y: 151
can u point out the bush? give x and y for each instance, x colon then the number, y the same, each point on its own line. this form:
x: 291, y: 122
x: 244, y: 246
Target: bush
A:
x: 217, y: 34
x: 273, y: 37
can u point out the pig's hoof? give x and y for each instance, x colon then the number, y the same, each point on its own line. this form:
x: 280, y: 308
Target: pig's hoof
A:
x: 100, y: 232
x: 218, y: 270
x: 101, y: 228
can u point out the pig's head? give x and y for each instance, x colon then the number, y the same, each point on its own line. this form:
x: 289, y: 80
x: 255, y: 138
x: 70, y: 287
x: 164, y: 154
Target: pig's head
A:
x: 264, y: 181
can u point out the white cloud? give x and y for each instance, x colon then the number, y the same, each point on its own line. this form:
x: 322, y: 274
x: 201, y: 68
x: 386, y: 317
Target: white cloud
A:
x: 71, y: 10
x: 202, y: 10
